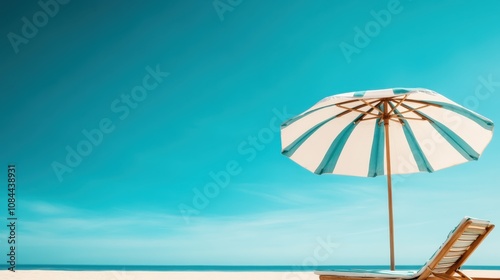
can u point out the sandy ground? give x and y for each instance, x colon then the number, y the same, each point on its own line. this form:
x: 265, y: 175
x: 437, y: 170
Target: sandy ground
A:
x: 140, y: 275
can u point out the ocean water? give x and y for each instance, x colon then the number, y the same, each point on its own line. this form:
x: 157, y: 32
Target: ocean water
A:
x: 248, y: 268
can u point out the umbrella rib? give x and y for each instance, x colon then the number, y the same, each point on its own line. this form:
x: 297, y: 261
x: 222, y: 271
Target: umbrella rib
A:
x: 397, y: 120
x: 294, y: 119
x: 397, y: 105
x: 409, y: 118
x: 348, y: 110
x: 393, y: 108
x: 370, y: 118
x: 362, y: 117
x: 414, y: 109
x: 400, y: 115
x: 423, y: 118
x: 354, y: 109
x: 371, y: 105
x: 423, y: 102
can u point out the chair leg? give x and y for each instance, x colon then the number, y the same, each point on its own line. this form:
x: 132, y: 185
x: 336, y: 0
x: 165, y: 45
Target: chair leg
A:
x: 463, y: 275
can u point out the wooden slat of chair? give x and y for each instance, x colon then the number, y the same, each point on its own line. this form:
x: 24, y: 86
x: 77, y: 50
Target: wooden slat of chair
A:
x: 472, y: 247
x: 444, y: 250
x: 451, y: 258
x: 445, y: 263
x: 462, y: 243
x: 468, y: 237
x: 476, y: 230
x: 460, y: 246
x: 479, y: 224
x: 472, y: 233
x: 454, y: 254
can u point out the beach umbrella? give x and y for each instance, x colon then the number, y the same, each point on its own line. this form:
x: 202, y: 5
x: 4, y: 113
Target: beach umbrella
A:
x: 384, y: 132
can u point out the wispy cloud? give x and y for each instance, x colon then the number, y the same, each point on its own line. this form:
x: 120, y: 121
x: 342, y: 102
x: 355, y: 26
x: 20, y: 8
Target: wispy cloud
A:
x: 319, y: 193
x: 281, y: 197
x: 46, y: 208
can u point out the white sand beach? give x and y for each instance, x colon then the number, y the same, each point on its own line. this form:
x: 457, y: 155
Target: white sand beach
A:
x: 157, y: 275
x: 152, y: 275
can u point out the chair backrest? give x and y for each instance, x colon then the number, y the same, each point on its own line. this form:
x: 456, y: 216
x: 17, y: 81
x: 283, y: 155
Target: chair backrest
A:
x: 457, y: 248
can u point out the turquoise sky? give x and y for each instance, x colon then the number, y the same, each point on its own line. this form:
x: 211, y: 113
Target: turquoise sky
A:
x: 122, y: 117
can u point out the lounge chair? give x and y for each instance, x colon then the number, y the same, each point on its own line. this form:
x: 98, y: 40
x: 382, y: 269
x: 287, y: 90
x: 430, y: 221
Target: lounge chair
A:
x: 444, y: 264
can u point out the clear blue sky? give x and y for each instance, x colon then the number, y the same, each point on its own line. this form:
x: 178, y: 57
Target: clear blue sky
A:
x: 173, y: 92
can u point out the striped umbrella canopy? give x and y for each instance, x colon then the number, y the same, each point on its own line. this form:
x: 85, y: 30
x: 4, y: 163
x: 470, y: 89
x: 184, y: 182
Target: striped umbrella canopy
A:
x: 384, y: 132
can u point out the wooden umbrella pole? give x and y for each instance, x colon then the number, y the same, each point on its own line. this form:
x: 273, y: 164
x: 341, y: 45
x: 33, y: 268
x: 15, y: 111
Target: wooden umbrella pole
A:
x: 389, y: 181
